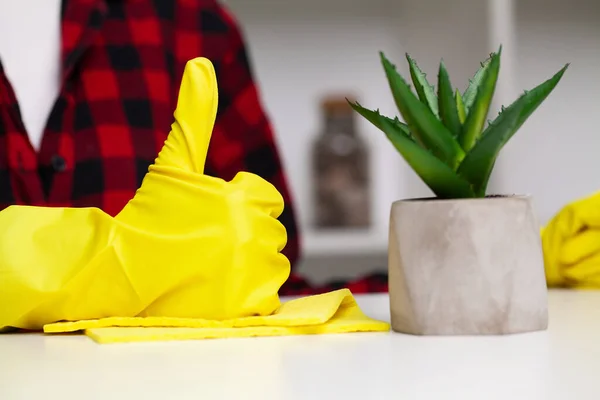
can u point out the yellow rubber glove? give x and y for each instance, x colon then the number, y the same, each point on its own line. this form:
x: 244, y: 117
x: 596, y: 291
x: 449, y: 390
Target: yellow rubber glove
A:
x: 186, y: 246
x: 571, y: 243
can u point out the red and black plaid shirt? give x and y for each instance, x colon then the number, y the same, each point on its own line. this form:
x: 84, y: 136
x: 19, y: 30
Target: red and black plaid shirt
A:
x: 122, y: 62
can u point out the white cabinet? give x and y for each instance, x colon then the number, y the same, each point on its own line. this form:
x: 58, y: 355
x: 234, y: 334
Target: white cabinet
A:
x: 302, y: 50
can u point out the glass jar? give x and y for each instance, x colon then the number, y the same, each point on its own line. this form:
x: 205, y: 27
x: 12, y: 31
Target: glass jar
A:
x: 340, y: 169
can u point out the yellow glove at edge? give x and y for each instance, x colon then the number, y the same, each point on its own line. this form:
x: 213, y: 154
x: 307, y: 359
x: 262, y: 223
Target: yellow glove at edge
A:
x: 571, y: 243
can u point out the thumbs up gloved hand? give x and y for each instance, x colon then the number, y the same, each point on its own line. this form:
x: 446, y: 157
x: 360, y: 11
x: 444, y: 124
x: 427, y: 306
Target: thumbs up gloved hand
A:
x: 187, y: 245
x: 189, y: 257
x: 571, y: 243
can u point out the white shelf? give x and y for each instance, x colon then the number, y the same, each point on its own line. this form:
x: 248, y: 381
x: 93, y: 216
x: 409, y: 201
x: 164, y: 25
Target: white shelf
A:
x: 344, y: 243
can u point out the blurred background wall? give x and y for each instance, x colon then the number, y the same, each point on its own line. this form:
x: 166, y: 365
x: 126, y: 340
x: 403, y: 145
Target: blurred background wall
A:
x: 304, y: 50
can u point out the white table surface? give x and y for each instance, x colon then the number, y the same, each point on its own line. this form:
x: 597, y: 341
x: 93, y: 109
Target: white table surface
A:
x: 561, y: 363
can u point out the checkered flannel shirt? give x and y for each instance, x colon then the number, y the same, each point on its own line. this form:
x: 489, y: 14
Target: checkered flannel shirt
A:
x: 122, y: 62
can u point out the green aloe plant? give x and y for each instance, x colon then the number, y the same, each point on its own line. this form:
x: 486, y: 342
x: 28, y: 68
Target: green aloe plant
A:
x: 444, y: 138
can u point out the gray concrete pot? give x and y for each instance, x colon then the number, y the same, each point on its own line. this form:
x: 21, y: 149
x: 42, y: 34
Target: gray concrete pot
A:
x: 466, y: 267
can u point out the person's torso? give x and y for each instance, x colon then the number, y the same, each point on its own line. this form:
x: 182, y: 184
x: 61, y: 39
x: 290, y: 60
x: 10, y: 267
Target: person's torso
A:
x: 108, y: 112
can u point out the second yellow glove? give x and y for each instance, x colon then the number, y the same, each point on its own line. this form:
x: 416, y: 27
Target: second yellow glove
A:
x: 571, y: 243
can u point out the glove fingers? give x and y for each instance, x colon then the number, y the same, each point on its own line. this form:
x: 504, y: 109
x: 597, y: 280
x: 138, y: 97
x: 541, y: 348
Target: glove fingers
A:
x: 260, y: 192
x: 587, y: 210
x: 580, y: 247
x: 187, y: 144
x: 575, y: 217
x: 267, y: 205
x: 586, y: 272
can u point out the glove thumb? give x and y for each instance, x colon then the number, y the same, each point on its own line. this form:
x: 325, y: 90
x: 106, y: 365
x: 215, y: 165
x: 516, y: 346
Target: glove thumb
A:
x: 187, y: 144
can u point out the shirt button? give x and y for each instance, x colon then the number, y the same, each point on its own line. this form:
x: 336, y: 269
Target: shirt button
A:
x: 58, y: 163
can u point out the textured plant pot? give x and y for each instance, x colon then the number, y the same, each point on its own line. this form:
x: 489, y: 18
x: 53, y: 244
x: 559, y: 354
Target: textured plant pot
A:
x: 466, y: 267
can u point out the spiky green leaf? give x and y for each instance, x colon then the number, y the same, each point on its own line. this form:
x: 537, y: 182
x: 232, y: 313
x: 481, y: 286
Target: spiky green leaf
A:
x: 423, y: 124
x: 477, y: 165
x: 460, y: 107
x: 447, y: 102
x: 471, y: 91
x: 532, y: 99
x: 438, y: 176
x: 424, y: 89
x: 478, y: 112
x: 479, y: 162
x: 374, y: 117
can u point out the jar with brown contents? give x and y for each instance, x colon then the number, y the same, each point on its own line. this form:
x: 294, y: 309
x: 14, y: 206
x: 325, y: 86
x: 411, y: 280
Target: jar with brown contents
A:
x: 340, y: 169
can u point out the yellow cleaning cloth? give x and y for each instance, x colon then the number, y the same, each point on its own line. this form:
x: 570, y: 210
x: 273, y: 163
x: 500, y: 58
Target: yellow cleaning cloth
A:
x: 187, y: 247
x: 571, y: 242
x: 333, y: 312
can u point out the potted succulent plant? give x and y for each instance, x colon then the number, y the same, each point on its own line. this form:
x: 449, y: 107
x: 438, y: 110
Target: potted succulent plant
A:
x: 463, y: 262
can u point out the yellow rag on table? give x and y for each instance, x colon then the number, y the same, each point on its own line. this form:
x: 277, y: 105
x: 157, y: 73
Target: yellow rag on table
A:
x: 334, y: 312
x: 571, y: 243
x: 188, y: 249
